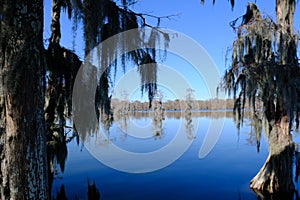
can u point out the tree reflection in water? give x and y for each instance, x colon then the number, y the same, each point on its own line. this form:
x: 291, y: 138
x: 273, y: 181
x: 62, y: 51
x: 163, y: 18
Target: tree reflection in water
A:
x: 92, y: 192
x: 57, y: 155
x: 284, y: 153
x: 157, y: 118
x: 188, y: 114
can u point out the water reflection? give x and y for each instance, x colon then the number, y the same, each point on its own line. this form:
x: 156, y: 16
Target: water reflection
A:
x: 61, y: 194
x: 220, y: 164
x: 140, y: 115
x: 157, y: 118
x: 92, y: 192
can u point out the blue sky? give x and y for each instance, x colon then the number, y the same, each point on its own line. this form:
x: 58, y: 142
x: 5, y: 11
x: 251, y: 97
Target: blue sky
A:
x: 207, y: 24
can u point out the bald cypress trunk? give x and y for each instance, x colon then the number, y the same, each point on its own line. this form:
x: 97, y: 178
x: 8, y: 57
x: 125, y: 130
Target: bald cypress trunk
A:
x: 22, y: 126
x: 276, y: 175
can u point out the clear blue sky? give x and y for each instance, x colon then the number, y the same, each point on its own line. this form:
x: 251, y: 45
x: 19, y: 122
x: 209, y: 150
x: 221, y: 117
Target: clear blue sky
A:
x: 207, y: 24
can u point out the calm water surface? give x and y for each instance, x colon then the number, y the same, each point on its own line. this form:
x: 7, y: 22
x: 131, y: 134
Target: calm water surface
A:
x: 223, y: 174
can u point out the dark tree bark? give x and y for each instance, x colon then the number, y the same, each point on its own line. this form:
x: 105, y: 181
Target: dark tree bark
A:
x: 62, y: 65
x: 265, y: 67
x: 55, y: 65
x: 22, y: 124
x: 276, y: 175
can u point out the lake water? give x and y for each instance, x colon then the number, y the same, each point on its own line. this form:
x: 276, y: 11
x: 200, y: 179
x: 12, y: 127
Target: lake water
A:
x: 222, y: 174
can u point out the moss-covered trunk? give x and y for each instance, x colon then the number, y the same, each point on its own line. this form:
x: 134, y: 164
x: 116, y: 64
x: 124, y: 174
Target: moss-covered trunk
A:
x: 276, y: 175
x: 23, y: 162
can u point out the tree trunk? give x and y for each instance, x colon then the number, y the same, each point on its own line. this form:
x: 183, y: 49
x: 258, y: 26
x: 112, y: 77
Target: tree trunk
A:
x: 276, y: 175
x: 22, y: 125
x: 54, y: 63
x: 287, y: 48
x: 285, y: 14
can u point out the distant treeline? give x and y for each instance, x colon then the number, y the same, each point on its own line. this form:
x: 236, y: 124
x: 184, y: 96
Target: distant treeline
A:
x: 211, y: 104
x: 178, y: 115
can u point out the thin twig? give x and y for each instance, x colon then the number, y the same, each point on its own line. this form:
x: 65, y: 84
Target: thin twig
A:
x: 169, y: 17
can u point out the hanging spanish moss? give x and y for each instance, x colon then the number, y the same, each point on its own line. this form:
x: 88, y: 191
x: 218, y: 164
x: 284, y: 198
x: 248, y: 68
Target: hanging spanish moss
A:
x: 101, y: 20
x: 105, y: 18
x: 265, y: 69
x: 62, y: 67
x: 262, y: 69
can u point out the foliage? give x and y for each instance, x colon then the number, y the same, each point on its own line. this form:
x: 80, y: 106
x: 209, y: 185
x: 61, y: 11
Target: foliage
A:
x: 265, y: 68
x: 101, y: 20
